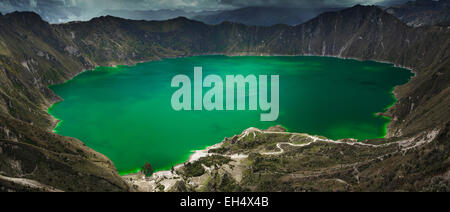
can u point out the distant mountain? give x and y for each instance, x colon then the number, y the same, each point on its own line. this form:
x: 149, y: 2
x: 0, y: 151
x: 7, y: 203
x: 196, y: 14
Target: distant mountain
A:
x: 422, y: 12
x: 264, y: 16
x: 155, y: 15
x: 53, y: 11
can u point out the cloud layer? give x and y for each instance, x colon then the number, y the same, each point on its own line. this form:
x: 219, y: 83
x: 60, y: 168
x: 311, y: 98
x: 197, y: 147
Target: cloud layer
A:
x: 60, y: 10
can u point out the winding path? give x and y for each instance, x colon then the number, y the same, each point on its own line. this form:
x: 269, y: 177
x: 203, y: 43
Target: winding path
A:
x: 281, y: 150
x: 405, y: 144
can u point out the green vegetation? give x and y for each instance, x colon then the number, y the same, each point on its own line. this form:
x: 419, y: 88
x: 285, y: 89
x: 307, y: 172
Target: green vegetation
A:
x: 147, y: 170
x: 196, y: 169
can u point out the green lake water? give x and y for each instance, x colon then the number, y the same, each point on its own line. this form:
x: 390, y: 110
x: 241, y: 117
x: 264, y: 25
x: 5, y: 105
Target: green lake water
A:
x: 125, y: 112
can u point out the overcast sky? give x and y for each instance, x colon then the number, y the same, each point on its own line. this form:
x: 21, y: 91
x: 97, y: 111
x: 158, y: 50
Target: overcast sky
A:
x: 181, y: 4
x: 89, y: 8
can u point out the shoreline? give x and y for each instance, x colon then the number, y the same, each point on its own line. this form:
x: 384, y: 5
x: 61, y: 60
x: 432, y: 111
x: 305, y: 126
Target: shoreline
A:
x: 197, y: 154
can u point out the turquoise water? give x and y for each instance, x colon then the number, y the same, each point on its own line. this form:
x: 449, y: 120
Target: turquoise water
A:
x: 125, y: 112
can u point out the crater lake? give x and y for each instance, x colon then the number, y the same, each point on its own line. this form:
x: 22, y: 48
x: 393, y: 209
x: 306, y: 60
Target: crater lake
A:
x: 125, y: 112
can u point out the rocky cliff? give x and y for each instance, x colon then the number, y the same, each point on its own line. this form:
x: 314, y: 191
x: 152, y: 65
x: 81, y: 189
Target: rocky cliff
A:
x: 422, y: 12
x: 35, y: 54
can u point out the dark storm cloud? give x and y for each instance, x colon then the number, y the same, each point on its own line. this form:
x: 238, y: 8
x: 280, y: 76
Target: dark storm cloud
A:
x: 307, y: 3
x: 177, y: 4
x: 296, y: 3
x: 63, y: 10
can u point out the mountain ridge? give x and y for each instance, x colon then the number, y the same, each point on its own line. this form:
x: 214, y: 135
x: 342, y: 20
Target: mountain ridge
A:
x: 422, y: 12
x: 264, y: 16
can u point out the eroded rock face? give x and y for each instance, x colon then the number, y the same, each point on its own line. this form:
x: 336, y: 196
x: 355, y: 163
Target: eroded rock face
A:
x: 72, y: 51
x: 422, y: 12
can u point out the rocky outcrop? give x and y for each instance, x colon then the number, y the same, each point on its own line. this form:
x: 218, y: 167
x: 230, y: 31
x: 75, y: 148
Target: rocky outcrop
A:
x: 422, y: 12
